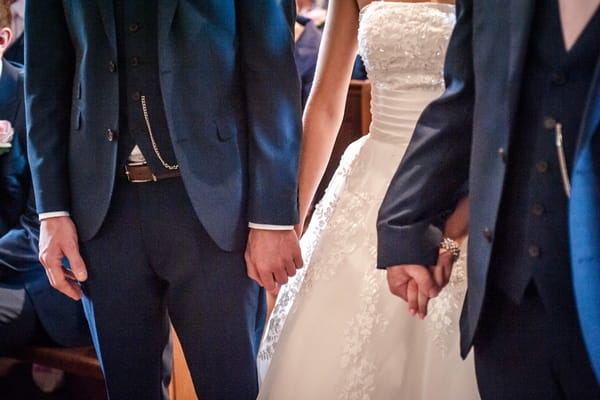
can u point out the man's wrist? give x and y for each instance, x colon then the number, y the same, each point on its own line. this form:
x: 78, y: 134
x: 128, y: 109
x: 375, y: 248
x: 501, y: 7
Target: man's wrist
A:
x: 53, y: 214
x: 270, y: 227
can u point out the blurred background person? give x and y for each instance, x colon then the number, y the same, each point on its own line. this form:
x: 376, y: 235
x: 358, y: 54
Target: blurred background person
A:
x: 311, y: 9
x: 31, y: 311
x: 15, y: 49
x: 308, y: 39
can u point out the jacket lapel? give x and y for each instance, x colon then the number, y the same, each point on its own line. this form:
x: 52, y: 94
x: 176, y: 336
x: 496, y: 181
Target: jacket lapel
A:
x: 108, y: 18
x: 520, y: 19
x: 590, y: 123
x: 166, y: 11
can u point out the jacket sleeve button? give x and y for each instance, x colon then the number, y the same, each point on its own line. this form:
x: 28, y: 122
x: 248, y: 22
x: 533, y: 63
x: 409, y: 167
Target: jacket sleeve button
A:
x: 487, y: 234
x: 502, y: 154
x: 110, y: 135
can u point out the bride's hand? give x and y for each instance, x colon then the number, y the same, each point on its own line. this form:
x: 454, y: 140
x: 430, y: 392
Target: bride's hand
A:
x: 442, y: 270
x: 417, y: 301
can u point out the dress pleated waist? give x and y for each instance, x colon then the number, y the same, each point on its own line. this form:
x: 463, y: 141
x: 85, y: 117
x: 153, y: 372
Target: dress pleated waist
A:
x: 394, y: 112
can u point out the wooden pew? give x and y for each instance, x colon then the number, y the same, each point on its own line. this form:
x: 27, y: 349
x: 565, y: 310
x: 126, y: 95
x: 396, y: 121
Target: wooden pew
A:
x: 181, y: 387
x: 82, y: 362
x: 79, y: 361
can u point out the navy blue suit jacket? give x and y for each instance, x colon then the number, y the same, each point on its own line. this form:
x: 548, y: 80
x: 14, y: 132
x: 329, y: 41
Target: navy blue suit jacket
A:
x: 458, y: 140
x: 231, y: 98
x: 61, y: 317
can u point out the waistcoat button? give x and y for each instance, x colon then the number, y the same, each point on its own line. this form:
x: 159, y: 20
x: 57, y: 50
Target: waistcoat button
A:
x: 538, y: 210
x: 541, y: 167
x: 533, y: 251
x: 558, y: 78
x: 549, y: 123
x: 110, y: 135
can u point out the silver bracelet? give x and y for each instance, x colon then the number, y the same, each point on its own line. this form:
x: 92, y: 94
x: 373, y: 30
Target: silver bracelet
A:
x: 451, y: 246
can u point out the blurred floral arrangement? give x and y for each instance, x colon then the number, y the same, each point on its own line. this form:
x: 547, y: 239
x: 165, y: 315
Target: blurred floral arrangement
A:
x: 6, y: 136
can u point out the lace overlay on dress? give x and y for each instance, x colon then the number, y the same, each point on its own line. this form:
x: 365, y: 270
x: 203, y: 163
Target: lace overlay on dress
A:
x: 301, y: 282
x: 359, y: 332
x: 441, y: 322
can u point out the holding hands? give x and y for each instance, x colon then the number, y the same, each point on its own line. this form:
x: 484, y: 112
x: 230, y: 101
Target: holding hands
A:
x: 417, y: 284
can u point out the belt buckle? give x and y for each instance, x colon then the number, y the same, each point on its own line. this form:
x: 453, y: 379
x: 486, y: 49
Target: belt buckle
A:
x: 137, y: 164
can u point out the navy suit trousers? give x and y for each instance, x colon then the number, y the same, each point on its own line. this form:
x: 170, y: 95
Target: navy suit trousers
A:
x: 542, y: 351
x: 152, y: 262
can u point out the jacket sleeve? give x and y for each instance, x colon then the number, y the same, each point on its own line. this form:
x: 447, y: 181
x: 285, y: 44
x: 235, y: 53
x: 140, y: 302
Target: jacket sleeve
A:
x: 434, y: 171
x: 273, y: 107
x: 49, y: 69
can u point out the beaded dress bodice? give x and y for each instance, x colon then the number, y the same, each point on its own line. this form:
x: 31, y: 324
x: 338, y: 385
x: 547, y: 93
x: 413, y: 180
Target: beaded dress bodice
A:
x: 403, y: 45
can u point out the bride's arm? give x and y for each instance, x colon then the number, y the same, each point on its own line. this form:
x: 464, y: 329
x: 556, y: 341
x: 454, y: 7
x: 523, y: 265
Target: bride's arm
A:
x: 456, y: 228
x: 457, y: 224
x: 325, y: 106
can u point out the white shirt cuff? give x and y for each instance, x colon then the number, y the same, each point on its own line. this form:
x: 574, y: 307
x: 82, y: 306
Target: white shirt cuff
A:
x: 270, y: 227
x: 46, y: 215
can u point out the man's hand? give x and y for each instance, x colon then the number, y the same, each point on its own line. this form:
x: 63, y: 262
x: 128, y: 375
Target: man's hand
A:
x: 272, y: 256
x: 58, y: 239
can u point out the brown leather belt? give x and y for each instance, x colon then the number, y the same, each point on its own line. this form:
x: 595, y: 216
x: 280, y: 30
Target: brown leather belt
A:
x: 139, y: 173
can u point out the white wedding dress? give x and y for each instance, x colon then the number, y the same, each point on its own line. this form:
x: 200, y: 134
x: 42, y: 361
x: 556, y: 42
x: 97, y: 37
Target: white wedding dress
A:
x: 336, y: 332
